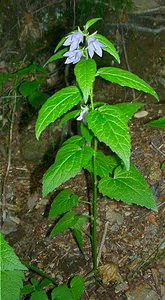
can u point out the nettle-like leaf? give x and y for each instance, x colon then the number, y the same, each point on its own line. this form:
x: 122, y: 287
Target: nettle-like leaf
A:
x: 125, y: 78
x: 86, y: 133
x: 91, y: 22
x: 39, y: 295
x: 69, y: 116
x: 63, y: 202
x: 109, y: 46
x: 128, y: 186
x: 85, y: 71
x: 9, y: 261
x: 56, y: 56
x: 68, y: 164
x: 105, y: 164
x: 77, y: 285
x: 11, y: 272
x: 70, y: 159
x: 77, y: 234
x: 75, y: 139
x: 66, y: 222
x: 61, y: 42
x: 56, y: 106
x: 61, y: 292
x: 160, y: 123
x: 11, y: 284
x: 128, y: 109
x: 110, y: 126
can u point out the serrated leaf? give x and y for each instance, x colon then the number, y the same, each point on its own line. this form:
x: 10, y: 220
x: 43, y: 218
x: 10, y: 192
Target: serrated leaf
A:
x: 109, y: 125
x: 64, y: 201
x: 77, y: 285
x: 85, y: 71
x: 8, y: 259
x: 128, y: 186
x: 27, y: 289
x: 80, y: 222
x: 27, y: 87
x: 87, y: 155
x: 69, y: 116
x: 56, y: 106
x: 128, y: 109
x: 56, y: 56
x: 68, y: 164
x: 109, y: 46
x: 39, y: 295
x: 105, y: 164
x: 91, y: 22
x: 86, y: 133
x: 75, y: 139
x: 11, y: 284
x: 160, y: 123
x: 61, y: 292
x: 126, y: 78
x: 66, y: 222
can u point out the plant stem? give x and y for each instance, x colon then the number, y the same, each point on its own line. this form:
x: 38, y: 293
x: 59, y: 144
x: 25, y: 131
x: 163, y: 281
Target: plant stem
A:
x: 39, y: 272
x: 94, y: 210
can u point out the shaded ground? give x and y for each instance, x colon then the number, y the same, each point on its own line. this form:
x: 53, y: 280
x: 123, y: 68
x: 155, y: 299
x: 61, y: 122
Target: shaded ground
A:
x: 131, y: 238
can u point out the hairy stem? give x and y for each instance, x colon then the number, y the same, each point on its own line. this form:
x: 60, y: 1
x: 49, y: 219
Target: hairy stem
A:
x: 94, y: 210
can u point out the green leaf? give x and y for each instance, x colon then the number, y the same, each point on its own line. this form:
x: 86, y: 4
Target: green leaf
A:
x: 68, y: 164
x: 160, y: 123
x: 28, y: 87
x: 78, y: 237
x: 77, y: 285
x: 86, y: 133
x: 128, y: 109
x: 128, y: 186
x: 62, y: 292
x: 87, y: 155
x: 61, y: 42
x: 37, y: 99
x: 8, y: 259
x: 70, y: 115
x: 163, y: 165
x: 56, y: 56
x: 109, y: 46
x: 80, y: 222
x: 27, y: 289
x: 109, y: 125
x: 75, y: 139
x: 11, y: 284
x: 125, y: 78
x: 91, y: 22
x: 66, y: 222
x: 63, y: 202
x: 56, y: 106
x: 39, y: 295
x: 85, y: 71
x: 45, y: 282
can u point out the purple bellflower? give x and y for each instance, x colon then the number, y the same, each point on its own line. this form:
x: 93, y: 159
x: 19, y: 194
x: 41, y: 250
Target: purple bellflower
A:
x: 83, y: 114
x: 94, y: 46
x: 73, y: 56
x: 73, y: 40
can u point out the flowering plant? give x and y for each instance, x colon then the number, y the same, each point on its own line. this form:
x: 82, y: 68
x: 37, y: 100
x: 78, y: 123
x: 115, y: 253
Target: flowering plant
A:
x: 113, y: 175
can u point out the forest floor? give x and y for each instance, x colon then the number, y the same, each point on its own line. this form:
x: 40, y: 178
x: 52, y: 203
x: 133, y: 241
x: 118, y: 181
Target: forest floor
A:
x: 130, y: 238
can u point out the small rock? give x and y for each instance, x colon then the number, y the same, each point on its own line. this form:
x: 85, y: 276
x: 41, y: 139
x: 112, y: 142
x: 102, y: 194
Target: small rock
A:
x: 141, y: 114
x: 142, y: 292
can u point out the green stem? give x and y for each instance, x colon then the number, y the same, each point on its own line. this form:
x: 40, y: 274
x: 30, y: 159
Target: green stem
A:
x: 94, y: 212
x: 94, y: 202
x: 40, y: 272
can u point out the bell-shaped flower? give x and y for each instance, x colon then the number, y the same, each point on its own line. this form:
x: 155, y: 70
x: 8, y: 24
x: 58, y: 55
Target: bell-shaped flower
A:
x: 94, y: 46
x: 73, y: 56
x: 73, y: 40
x: 83, y: 114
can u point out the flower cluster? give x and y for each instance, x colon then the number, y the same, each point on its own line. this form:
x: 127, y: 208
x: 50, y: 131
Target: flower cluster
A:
x: 75, y: 52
